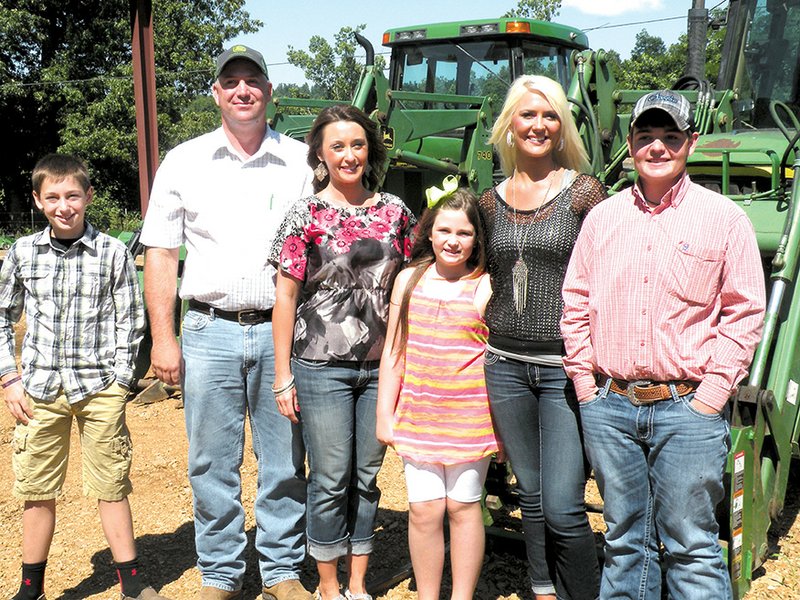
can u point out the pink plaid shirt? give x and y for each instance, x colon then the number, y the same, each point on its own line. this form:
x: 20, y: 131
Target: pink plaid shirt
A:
x: 670, y: 293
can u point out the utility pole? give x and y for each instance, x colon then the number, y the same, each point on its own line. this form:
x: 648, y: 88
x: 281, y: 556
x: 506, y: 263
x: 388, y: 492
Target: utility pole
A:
x: 697, y: 36
x: 144, y: 88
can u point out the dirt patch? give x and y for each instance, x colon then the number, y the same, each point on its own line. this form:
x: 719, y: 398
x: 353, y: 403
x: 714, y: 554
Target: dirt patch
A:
x: 80, y: 563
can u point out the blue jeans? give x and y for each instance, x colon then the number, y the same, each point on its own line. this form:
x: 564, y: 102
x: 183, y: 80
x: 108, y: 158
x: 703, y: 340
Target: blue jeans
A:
x: 229, y: 370
x: 535, y: 415
x: 337, y: 407
x: 659, y: 469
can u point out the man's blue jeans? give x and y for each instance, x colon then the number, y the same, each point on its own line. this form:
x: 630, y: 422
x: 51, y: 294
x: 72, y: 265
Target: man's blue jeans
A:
x: 338, y: 410
x: 535, y: 414
x: 659, y: 469
x: 229, y: 370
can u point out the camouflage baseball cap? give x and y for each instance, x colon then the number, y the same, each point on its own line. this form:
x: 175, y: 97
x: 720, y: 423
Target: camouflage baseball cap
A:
x: 240, y: 51
x: 672, y: 103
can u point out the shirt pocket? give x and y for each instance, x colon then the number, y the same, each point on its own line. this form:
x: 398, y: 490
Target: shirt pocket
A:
x: 37, y: 281
x: 695, y: 273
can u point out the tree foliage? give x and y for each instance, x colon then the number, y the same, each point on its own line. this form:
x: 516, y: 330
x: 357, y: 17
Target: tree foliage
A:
x: 333, y: 70
x: 653, y: 65
x: 66, y: 84
x: 542, y: 10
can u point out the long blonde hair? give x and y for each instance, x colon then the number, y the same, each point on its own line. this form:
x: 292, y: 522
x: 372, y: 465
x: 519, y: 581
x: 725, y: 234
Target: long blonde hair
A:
x: 572, y: 154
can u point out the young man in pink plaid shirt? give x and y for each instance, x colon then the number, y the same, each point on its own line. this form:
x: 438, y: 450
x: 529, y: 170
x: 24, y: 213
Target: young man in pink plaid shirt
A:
x: 664, y: 303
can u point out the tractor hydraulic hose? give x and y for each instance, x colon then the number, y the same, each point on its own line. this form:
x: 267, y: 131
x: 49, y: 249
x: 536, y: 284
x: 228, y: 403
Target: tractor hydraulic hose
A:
x: 791, y: 147
x: 594, y: 134
x: 705, y: 99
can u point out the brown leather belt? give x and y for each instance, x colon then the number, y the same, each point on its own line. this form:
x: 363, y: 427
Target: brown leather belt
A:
x: 242, y: 317
x: 643, y: 392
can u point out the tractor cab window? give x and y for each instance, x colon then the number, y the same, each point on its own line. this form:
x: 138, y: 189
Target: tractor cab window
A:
x: 550, y: 61
x: 772, y: 59
x: 466, y: 68
x: 478, y: 68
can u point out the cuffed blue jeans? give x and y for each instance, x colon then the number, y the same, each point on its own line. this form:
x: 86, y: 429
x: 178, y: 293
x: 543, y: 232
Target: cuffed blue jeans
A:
x: 229, y: 370
x: 659, y: 469
x: 338, y: 411
x: 535, y: 415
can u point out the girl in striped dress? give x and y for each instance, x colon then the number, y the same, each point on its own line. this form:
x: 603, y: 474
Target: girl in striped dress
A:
x: 432, y: 403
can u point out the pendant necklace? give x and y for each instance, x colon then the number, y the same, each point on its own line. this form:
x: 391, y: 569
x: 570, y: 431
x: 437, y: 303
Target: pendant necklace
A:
x: 519, y: 272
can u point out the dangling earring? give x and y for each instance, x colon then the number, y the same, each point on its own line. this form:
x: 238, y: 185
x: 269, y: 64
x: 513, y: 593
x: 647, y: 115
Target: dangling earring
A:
x: 561, y: 144
x: 509, y: 139
x: 320, y: 171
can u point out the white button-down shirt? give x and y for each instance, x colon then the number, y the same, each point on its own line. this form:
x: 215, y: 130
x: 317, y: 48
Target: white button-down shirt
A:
x: 225, y: 210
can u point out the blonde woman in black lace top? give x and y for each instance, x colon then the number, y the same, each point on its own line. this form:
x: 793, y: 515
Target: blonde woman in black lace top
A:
x: 532, y: 219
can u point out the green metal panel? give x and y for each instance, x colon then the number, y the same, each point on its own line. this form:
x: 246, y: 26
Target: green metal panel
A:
x: 455, y: 29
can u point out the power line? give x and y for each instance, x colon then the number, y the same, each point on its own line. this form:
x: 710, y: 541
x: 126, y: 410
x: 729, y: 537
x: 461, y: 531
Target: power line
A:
x: 661, y: 20
x: 613, y: 26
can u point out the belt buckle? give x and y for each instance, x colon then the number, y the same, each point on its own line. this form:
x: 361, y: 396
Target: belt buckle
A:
x: 630, y: 392
x: 247, y: 317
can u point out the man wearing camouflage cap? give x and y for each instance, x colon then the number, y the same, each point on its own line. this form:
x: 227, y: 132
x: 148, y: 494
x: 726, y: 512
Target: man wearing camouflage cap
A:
x: 664, y: 303
x: 222, y: 195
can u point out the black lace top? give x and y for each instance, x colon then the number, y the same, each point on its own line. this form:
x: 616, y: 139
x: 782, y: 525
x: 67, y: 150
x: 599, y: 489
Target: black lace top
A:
x: 547, y: 237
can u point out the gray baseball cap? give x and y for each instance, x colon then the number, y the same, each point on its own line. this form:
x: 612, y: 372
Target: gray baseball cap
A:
x: 672, y: 103
x: 240, y: 51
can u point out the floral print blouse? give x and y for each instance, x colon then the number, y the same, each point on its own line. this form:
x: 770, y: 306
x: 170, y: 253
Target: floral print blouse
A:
x: 347, y: 259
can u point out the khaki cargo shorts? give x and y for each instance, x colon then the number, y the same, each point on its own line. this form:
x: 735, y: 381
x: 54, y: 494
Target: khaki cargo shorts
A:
x: 41, y: 448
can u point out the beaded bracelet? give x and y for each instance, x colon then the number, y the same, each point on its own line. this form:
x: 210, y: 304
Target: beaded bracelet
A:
x: 15, y: 379
x: 284, y: 388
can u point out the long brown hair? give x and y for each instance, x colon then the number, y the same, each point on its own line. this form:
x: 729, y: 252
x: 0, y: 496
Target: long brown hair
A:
x: 376, y: 151
x: 422, y: 255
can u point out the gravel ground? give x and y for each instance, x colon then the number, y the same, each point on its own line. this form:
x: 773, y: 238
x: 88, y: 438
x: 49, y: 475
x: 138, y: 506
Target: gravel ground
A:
x: 80, y: 563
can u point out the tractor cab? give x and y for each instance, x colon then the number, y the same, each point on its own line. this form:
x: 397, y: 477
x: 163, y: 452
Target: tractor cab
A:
x: 761, y: 60
x: 480, y: 58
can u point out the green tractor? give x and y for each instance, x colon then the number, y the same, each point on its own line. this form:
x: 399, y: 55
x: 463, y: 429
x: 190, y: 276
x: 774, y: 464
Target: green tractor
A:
x: 757, y: 164
x: 437, y: 105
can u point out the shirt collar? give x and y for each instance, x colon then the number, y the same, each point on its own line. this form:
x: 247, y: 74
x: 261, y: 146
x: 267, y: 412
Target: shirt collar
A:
x: 88, y: 238
x: 674, y: 195
x: 223, y: 147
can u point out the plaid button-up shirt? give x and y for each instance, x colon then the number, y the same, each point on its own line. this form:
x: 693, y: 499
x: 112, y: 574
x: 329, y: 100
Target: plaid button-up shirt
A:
x: 84, y: 313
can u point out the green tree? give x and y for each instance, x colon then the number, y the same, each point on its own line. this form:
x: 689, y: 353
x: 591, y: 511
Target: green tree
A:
x: 653, y: 65
x: 542, y: 10
x: 333, y: 70
x: 646, y: 67
x: 66, y: 84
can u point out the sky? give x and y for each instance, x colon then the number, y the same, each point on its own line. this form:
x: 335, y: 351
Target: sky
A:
x: 610, y: 24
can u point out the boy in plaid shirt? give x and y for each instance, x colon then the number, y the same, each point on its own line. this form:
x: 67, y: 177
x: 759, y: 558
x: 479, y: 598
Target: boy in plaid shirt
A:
x: 85, y: 320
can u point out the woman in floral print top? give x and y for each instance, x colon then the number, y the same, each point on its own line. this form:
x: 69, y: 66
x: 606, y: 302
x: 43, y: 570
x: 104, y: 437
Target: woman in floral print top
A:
x: 337, y: 254
x: 346, y: 259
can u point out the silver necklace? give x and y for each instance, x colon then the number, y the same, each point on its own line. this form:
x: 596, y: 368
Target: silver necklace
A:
x: 519, y: 272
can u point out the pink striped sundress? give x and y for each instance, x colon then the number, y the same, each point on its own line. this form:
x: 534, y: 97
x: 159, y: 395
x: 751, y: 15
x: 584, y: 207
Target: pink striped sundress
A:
x: 442, y: 415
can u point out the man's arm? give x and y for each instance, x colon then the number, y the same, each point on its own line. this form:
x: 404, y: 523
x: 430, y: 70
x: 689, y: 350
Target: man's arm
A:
x: 160, y: 291
x: 741, y: 317
x: 579, y: 354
